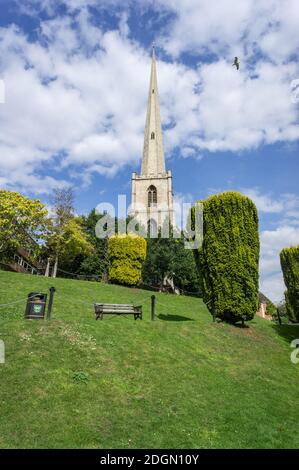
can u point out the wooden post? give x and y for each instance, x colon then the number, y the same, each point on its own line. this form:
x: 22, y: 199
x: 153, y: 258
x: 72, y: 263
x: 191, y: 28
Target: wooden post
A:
x: 153, y: 306
x: 50, y: 304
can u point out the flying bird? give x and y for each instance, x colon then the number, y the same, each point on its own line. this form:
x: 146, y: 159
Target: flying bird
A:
x: 236, y: 63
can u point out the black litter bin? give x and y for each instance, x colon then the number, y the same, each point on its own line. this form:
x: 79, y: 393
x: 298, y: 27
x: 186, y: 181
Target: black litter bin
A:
x: 36, y: 306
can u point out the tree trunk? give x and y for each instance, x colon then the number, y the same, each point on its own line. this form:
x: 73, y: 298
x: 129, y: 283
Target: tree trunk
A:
x: 47, y: 272
x: 55, y: 267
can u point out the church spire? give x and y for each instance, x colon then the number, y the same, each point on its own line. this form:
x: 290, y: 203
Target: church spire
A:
x: 153, y: 162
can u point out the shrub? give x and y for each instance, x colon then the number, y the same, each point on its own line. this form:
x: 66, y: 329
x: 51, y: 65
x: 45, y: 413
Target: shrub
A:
x: 126, y: 255
x: 271, y: 309
x: 228, y: 259
x: 289, y: 260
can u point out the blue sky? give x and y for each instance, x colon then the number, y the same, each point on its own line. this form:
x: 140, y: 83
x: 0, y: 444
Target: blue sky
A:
x: 76, y: 77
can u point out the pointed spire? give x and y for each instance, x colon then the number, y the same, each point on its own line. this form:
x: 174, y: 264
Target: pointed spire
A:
x: 153, y: 162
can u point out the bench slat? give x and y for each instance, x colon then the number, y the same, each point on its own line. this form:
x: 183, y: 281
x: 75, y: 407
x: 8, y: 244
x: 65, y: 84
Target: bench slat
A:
x: 117, y: 309
x: 113, y: 305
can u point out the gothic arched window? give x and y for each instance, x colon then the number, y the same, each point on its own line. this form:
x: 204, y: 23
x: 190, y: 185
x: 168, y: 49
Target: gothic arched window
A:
x: 152, y: 196
x: 152, y: 228
x: 152, y: 136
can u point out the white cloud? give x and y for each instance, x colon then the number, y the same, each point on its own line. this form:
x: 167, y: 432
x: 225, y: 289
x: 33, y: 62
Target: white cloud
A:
x: 78, y: 104
x: 76, y: 97
x: 287, y: 204
x: 272, y: 242
x: 230, y: 28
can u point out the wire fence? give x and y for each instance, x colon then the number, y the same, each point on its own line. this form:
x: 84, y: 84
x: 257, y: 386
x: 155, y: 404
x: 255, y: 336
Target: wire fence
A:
x: 94, y: 277
x: 15, y: 302
x: 169, y: 309
x: 175, y: 288
x: 81, y: 276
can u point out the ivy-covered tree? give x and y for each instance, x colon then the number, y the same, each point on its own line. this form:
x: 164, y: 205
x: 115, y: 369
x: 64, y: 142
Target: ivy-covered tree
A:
x: 289, y: 259
x: 21, y: 221
x: 229, y: 257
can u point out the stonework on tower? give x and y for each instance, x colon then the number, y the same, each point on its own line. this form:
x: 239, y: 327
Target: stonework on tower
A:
x: 152, y: 197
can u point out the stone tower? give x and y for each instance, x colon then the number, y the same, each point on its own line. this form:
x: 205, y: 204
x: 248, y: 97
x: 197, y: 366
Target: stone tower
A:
x: 152, y: 197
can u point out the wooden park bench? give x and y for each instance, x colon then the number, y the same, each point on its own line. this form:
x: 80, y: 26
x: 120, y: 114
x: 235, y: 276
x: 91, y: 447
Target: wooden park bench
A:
x: 117, y: 309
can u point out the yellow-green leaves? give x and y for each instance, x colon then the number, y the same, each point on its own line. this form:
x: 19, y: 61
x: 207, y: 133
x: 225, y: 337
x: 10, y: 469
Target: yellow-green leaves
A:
x: 289, y: 259
x: 126, y: 255
x: 228, y: 259
x: 21, y: 218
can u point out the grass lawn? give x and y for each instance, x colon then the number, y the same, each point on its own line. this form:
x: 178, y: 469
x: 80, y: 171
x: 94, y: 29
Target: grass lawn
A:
x: 178, y: 382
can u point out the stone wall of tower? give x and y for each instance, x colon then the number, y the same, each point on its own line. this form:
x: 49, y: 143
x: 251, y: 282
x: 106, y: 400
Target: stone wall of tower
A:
x: 164, y: 207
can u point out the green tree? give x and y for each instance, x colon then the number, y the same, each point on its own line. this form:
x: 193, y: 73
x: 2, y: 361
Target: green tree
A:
x: 168, y: 257
x: 62, y: 202
x: 70, y: 244
x: 97, y: 262
x: 126, y: 255
x: 185, y: 272
x: 21, y: 221
x: 289, y: 259
x: 160, y: 260
x: 229, y: 256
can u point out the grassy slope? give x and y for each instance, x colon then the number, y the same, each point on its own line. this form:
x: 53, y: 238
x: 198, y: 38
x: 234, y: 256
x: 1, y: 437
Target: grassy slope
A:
x: 179, y: 382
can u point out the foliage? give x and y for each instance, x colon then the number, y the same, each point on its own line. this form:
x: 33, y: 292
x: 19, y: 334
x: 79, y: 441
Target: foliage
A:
x: 62, y: 202
x: 126, y: 255
x: 81, y: 377
x: 70, y: 243
x: 23, y: 222
x: 168, y: 257
x: 271, y: 309
x: 229, y: 256
x: 97, y: 262
x: 282, y: 310
x: 289, y: 259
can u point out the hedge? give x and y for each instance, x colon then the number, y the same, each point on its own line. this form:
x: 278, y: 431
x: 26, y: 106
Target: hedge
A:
x: 289, y: 260
x: 228, y: 259
x: 126, y: 255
